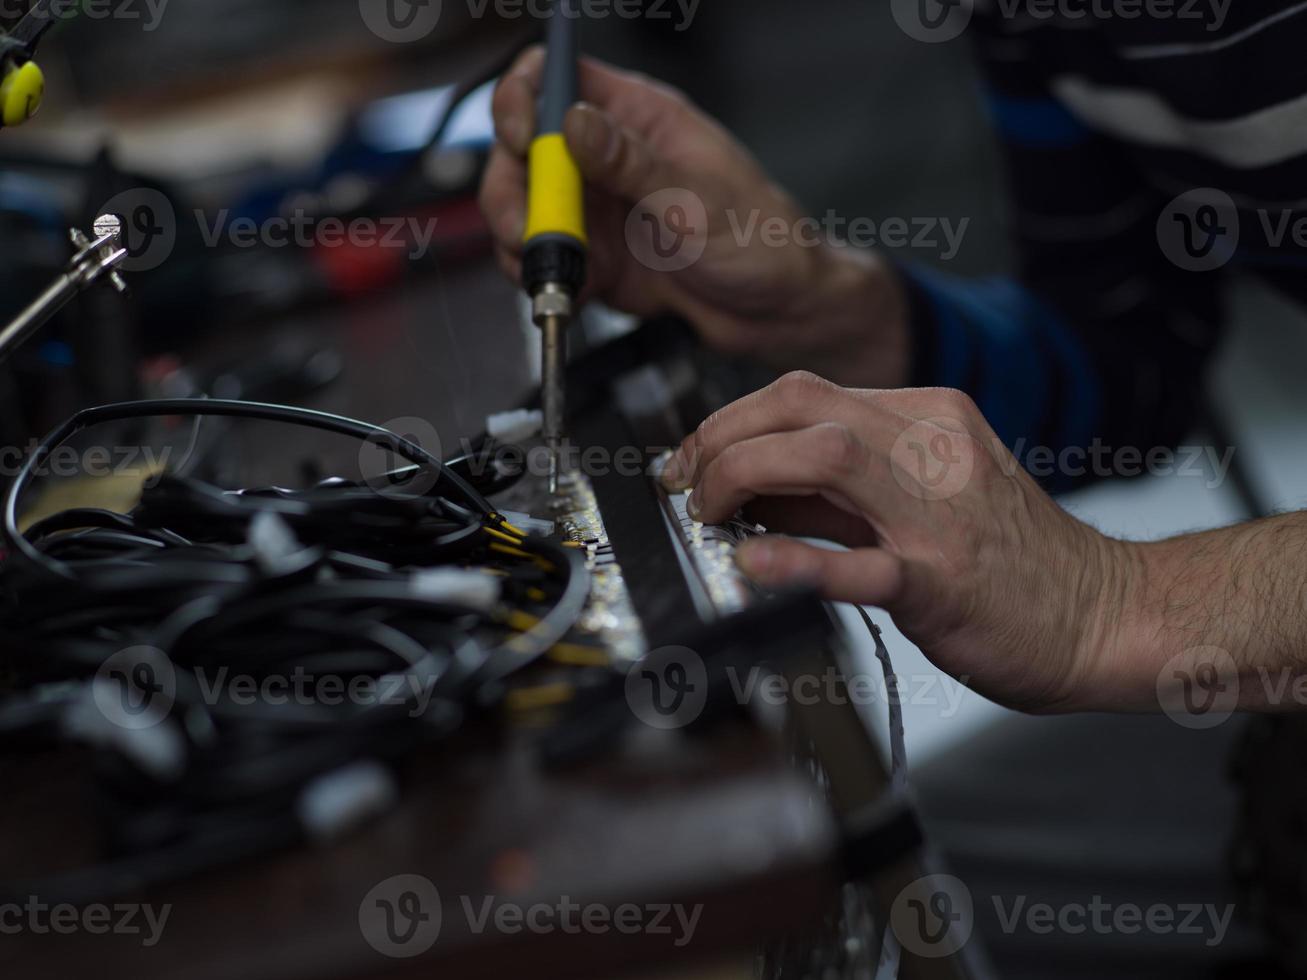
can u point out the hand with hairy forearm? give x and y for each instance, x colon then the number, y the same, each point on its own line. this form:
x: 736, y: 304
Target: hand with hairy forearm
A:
x: 1231, y: 601
x: 996, y: 583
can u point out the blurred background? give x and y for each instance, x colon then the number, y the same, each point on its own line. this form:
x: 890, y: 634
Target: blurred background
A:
x: 259, y: 107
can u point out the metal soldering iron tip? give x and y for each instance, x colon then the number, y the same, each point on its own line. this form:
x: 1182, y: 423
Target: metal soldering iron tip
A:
x: 554, y: 393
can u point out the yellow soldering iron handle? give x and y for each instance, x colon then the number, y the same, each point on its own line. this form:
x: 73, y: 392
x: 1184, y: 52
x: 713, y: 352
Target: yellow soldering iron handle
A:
x: 556, y: 240
x: 555, y: 201
x: 21, y: 92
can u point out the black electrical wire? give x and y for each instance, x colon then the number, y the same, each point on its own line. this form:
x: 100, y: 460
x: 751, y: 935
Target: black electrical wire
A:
x: 203, y: 407
x: 265, y: 583
x: 897, y: 749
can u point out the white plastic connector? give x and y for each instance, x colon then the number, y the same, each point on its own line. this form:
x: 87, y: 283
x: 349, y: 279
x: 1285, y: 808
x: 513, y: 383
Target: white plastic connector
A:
x: 515, y: 427
x: 527, y: 523
x: 342, y: 801
x: 459, y: 586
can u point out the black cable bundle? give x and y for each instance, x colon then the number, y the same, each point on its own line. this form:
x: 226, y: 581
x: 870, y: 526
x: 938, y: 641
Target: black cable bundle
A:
x: 126, y: 631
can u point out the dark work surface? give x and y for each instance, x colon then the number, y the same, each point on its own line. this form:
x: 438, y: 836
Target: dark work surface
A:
x: 662, y: 820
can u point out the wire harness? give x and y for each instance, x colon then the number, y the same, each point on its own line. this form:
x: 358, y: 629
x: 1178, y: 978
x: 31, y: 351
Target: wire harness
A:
x: 253, y: 666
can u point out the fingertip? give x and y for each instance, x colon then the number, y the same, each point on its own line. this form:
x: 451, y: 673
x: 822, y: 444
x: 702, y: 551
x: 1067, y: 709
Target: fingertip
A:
x: 754, y: 558
x: 774, y: 562
x: 514, y: 113
x: 674, y: 475
x: 530, y: 63
x: 593, y: 136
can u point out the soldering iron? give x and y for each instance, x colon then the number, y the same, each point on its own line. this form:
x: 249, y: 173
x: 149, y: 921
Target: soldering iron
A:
x: 22, y: 83
x: 554, y: 260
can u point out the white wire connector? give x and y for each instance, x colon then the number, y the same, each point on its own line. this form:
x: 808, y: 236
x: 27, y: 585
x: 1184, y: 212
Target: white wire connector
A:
x: 458, y: 586
x: 527, y: 523
x: 340, y: 802
x: 515, y: 427
x: 151, y: 743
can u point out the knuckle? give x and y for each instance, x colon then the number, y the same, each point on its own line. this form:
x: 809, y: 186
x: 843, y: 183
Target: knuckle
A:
x: 731, y: 466
x: 798, y: 389
x: 705, y: 437
x: 956, y: 404
x: 840, y: 451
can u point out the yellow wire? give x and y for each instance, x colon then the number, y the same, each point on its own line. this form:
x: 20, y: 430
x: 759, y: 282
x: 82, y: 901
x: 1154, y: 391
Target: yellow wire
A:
x: 516, y: 530
x: 493, y: 532
x: 575, y: 655
x: 521, y: 621
x: 534, y: 698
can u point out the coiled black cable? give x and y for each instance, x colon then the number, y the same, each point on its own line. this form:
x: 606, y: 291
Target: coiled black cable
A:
x: 200, y: 585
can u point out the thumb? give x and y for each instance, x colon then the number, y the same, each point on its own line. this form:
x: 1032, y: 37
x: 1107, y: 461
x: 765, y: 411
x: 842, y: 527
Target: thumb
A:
x: 611, y: 157
x: 867, y: 576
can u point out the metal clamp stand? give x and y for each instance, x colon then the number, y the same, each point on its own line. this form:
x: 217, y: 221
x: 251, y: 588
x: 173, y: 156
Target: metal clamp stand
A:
x: 94, y: 259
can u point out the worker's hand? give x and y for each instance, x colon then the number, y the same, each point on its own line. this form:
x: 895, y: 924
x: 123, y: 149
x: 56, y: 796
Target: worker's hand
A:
x: 641, y: 147
x: 997, y: 584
